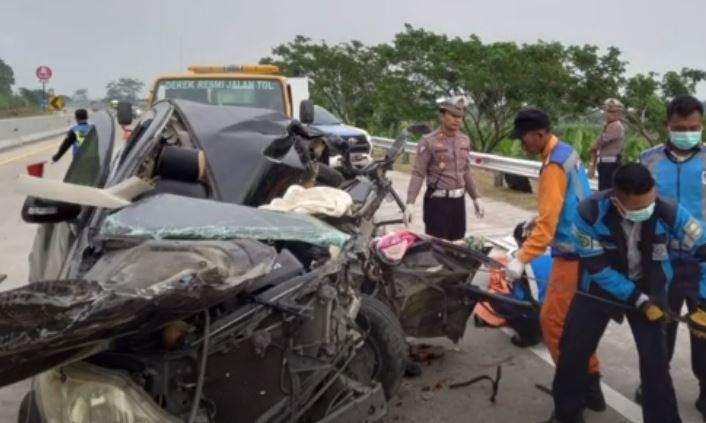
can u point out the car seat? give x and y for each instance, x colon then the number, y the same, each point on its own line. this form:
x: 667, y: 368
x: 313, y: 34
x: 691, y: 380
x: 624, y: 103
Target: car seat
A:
x: 180, y: 171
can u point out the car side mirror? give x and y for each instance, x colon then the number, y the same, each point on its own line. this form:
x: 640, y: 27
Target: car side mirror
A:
x: 306, y: 112
x: 37, y: 210
x: 124, y: 113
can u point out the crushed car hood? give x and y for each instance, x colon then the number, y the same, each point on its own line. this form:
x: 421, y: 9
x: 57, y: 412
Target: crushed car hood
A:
x: 128, y: 291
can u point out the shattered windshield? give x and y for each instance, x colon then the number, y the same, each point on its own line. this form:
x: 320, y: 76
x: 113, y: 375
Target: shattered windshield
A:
x: 167, y: 216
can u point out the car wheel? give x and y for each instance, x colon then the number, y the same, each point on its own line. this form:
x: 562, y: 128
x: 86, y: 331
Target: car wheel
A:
x: 384, y: 355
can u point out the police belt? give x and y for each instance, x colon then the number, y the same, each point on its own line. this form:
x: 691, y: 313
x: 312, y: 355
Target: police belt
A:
x: 448, y: 193
x: 608, y: 159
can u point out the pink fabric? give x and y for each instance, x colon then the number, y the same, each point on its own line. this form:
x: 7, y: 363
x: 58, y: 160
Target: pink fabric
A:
x: 394, y: 245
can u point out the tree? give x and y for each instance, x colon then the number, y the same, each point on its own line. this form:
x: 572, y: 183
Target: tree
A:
x: 81, y: 95
x: 124, y: 89
x: 7, y: 79
x: 31, y: 97
x: 383, y: 86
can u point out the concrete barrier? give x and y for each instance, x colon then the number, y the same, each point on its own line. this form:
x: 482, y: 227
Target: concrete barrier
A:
x: 16, y: 132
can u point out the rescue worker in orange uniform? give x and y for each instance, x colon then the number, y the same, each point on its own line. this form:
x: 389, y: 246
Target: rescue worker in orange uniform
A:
x: 563, y: 184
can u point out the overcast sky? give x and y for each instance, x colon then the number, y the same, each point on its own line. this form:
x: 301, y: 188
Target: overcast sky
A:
x: 89, y: 43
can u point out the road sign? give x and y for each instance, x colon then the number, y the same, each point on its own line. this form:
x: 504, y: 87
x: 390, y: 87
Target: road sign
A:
x: 56, y: 102
x: 44, y: 73
x: 44, y: 103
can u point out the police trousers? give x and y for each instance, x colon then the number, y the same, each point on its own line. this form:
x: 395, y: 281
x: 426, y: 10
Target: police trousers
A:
x: 685, y: 289
x: 605, y: 174
x: 445, y: 217
x: 585, y: 324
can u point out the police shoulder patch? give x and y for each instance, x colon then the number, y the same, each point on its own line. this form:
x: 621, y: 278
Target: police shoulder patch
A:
x: 693, y: 229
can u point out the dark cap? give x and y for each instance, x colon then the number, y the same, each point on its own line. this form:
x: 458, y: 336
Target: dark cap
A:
x: 529, y: 120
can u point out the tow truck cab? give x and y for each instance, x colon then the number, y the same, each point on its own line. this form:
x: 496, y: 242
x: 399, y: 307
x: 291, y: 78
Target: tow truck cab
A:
x: 258, y: 86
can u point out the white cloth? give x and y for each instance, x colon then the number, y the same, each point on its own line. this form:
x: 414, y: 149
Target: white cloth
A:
x: 319, y: 201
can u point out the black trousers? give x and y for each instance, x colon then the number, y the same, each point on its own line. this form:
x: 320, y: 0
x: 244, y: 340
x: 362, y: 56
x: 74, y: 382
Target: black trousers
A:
x: 445, y: 217
x: 605, y: 175
x: 685, y: 289
x: 524, y: 322
x: 585, y: 323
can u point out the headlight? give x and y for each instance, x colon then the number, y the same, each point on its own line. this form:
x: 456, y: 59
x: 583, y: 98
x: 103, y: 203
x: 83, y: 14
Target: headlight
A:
x: 83, y: 393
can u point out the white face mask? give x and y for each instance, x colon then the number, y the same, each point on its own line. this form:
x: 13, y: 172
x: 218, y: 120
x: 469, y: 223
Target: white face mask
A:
x: 636, y: 216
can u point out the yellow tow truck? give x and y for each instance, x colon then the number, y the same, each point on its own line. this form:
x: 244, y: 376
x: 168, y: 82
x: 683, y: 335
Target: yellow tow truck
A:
x: 258, y: 86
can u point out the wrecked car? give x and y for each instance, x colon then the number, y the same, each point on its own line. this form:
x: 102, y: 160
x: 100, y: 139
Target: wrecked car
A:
x: 183, y: 305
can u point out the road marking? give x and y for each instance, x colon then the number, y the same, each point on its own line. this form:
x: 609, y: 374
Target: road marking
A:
x: 615, y: 399
x: 28, y: 153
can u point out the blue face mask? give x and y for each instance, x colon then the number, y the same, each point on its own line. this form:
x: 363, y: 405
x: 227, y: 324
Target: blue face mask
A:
x: 641, y: 215
x: 685, y: 140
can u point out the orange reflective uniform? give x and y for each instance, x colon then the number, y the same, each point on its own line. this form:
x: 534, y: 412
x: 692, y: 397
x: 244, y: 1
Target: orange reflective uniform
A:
x: 564, y: 276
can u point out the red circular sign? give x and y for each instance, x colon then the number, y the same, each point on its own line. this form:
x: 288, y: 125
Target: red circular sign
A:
x: 43, y: 73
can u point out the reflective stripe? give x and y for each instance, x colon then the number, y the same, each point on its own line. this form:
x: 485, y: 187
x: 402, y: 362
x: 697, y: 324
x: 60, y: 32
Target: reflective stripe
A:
x: 564, y: 247
x: 571, y: 166
x: 608, y: 159
x: 532, y: 282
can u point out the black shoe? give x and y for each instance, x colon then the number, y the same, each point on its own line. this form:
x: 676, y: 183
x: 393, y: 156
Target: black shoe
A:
x: 412, y: 369
x: 594, y: 398
x: 638, y: 396
x: 700, y: 404
x: 524, y: 342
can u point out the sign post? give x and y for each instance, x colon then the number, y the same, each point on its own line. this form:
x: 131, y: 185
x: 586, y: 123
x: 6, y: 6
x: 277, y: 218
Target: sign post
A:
x: 44, y: 74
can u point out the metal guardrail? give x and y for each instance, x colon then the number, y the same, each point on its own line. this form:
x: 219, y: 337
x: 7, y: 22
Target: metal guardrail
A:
x: 490, y: 162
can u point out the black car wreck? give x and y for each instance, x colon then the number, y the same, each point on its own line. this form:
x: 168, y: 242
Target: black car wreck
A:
x: 160, y: 292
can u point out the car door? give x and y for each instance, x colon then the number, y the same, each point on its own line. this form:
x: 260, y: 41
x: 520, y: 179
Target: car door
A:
x: 91, y: 166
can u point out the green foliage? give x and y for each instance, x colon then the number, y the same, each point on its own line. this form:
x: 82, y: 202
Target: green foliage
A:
x: 124, y: 89
x: 382, y: 86
x: 7, y: 79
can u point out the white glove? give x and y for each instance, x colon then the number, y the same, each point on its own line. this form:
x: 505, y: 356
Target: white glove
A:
x: 408, y: 215
x: 478, y: 205
x: 515, y: 269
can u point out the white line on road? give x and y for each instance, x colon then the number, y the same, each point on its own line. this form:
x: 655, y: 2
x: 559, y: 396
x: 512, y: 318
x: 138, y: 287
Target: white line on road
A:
x: 615, y: 399
x: 28, y: 153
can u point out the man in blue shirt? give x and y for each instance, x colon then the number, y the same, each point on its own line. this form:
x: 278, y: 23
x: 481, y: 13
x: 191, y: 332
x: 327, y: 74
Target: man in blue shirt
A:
x: 75, y: 136
x: 679, y: 169
x: 622, y: 236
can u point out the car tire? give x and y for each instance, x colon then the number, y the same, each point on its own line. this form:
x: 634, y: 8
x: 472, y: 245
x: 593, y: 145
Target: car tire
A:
x: 28, y: 412
x: 384, y: 355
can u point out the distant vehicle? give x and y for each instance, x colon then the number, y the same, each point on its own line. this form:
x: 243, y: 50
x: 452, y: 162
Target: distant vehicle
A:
x: 256, y: 86
x: 358, y: 139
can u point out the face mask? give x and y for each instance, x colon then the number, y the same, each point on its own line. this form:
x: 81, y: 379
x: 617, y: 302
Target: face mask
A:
x: 637, y: 216
x: 685, y: 140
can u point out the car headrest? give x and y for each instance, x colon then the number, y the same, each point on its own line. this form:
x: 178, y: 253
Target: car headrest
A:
x: 181, y: 164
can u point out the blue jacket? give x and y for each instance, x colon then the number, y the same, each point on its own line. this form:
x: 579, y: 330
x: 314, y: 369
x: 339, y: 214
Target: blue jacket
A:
x: 80, y: 131
x: 682, y: 182
x: 601, y: 244
x: 537, y: 271
x: 578, y: 189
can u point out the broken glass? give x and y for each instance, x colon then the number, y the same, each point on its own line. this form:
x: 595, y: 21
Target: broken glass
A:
x: 167, y: 216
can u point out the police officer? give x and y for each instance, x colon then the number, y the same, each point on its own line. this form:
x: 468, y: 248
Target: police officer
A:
x: 622, y: 237
x: 442, y: 159
x: 76, y: 135
x: 608, y: 148
x: 562, y: 185
x: 679, y: 167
